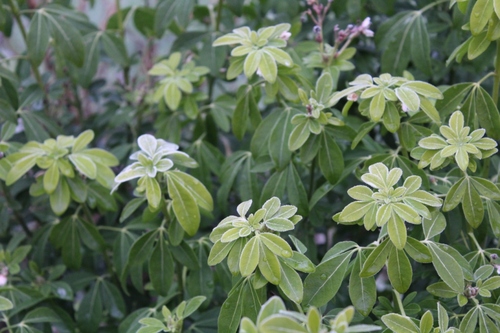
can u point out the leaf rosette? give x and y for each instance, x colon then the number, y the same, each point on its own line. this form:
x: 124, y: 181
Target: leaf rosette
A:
x: 153, y: 166
x: 382, y: 98
x: 176, y: 81
x: 61, y: 157
x: 259, y: 51
x: 251, y: 243
x: 388, y: 206
x: 455, y: 142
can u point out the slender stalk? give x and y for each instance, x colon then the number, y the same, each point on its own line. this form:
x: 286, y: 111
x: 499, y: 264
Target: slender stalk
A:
x: 397, y: 296
x: 219, y: 16
x: 17, y: 214
x: 400, y: 135
x: 119, y: 17
x: 429, y: 6
x: 496, y: 83
x: 121, y: 30
x: 178, y: 271
x: 312, y: 171
x: 34, y: 68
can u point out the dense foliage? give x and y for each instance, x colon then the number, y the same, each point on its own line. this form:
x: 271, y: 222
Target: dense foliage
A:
x: 285, y: 166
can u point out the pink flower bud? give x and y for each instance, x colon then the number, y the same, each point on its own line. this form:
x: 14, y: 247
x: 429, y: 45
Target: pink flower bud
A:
x: 352, y: 97
x: 3, y: 280
x: 404, y: 107
x: 285, y: 35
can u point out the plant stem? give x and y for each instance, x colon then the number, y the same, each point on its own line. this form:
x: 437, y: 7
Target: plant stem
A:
x: 119, y: 18
x: 496, y: 83
x: 17, y: 215
x: 312, y: 176
x: 34, y: 68
x: 429, y: 6
x: 397, y: 296
x: 180, y: 283
x: 121, y: 30
x: 219, y: 15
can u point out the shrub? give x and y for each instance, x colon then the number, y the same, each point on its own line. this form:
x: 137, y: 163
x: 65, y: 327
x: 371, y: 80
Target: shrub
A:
x: 287, y: 166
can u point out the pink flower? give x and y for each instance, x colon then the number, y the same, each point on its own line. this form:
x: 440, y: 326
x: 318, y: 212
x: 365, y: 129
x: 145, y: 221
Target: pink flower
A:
x: 285, y: 35
x: 404, y: 107
x: 364, y: 28
x: 352, y: 97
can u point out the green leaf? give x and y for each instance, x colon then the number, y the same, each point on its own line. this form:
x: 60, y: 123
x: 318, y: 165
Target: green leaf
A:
x: 231, y: 310
x: 41, y: 315
x: 455, y: 195
x: 280, y: 323
x: 5, y: 304
x: 469, y: 322
x: 396, y: 229
x: 322, y: 285
x: 195, y: 187
x: 443, y: 318
x: 299, y: 262
x: 60, y: 198
x: 84, y: 165
x: 278, y: 140
x: 441, y: 289
x: 363, y: 130
x: 185, y: 255
x: 115, y: 48
x: 192, y: 305
x: 144, y: 20
x: 376, y: 260
x: 276, y: 244
x: 362, y: 291
x: 452, y: 98
x: 430, y: 110
x: 487, y: 113
x: 38, y: 38
x: 399, y: 270
x: 418, y: 251
x: 391, y: 118
x: 291, y: 284
x: 420, y: 46
x: 494, y: 216
x: 185, y: 208
x: 90, y: 311
x: 377, y: 107
x: 486, y: 188
x: 142, y: 248
x: 20, y: 167
x: 161, y: 268
x: 324, y: 87
x: 67, y: 39
x: 434, y: 226
x: 91, y: 63
x: 299, y: 135
x: 447, y: 268
x: 472, y: 205
x: 330, y: 159
x: 269, y: 265
x: 268, y: 67
x: 492, y: 283
x: 399, y: 324
x: 51, y: 179
x: 165, y: 12
x: 396, y: 57
x: 249, y: 258
x: 409, y: 98
x: 480, y: 15
x: 245, y: 106
x: 426, y: 322
x: 478, y: 45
